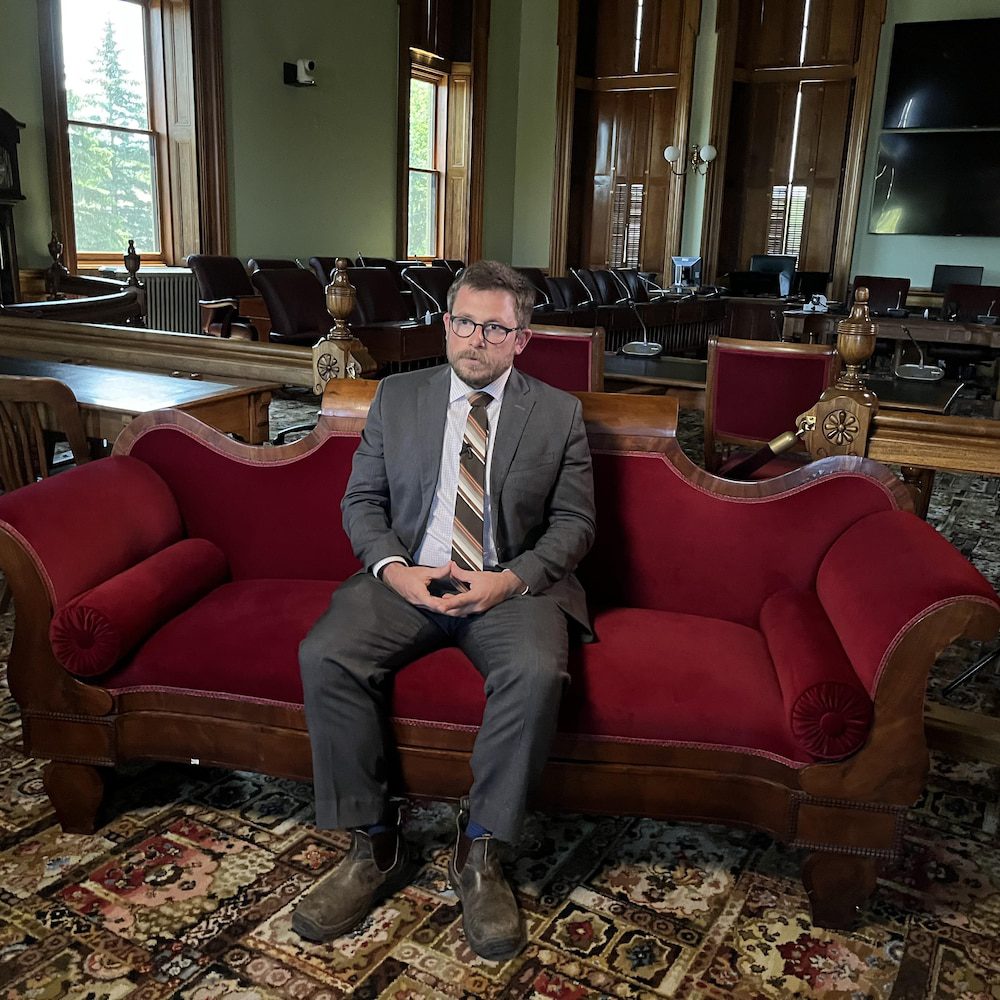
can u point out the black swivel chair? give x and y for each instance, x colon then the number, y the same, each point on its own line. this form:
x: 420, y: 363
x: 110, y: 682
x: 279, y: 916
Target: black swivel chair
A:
x: 296, y: 303
x: 222, y: 283
x: 883, y: 293
x: 269, y: 263
x: 429, y: 287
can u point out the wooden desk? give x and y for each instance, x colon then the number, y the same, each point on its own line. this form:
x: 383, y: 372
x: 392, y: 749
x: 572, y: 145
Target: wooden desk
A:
x: 685, y: 378
x: 822, y: 327
x: 110, y: 398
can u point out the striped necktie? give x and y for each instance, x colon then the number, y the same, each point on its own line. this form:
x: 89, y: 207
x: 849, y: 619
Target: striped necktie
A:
x: 467, y: 533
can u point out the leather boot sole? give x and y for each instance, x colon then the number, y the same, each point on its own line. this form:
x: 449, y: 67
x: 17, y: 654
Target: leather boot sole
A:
x: 311, y: 930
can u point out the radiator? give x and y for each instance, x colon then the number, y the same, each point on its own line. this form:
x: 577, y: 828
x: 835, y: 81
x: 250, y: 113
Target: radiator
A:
x: 171, y: 300
x: 171, y: 297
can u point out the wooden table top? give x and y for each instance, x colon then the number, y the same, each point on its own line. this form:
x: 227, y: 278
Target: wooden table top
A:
x: 126, y: 391
x: 689, y: 373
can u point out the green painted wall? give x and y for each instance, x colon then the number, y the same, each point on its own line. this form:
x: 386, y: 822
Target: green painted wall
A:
x: 502, y: 79
x: 698, y: 131
x: 536, y: 133
x: 915, y: 256
x: 312, y: 169
x: 21, y: 95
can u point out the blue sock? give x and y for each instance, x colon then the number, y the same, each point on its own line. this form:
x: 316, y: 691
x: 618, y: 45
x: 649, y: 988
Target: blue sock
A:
x: 474, y: 830
x: 375, y: 828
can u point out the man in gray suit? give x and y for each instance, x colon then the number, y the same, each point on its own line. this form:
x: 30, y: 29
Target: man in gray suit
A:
x: 470, y: 504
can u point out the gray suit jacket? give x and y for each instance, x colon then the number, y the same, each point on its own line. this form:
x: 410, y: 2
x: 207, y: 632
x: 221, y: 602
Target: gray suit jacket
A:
x: 541, y: 485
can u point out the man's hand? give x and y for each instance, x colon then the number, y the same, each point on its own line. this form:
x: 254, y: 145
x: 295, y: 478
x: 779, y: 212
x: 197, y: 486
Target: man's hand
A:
x: 411, y: 583
x: 485, y: 591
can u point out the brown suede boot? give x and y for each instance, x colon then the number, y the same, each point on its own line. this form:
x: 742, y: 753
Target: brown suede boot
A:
x: 374, y: 868
x: 490, y: 916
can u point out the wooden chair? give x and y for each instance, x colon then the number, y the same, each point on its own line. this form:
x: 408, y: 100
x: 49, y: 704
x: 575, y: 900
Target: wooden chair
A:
x: 571, y: 360
x: 754, y: 390
x: 25, y: 447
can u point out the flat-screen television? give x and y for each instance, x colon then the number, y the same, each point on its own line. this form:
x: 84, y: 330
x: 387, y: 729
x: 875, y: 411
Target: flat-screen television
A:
x: 937, y: 184
x: 943, y: 75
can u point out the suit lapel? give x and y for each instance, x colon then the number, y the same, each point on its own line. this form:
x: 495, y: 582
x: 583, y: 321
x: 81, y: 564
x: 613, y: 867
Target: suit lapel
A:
x: 432, y: 412
x: 518, y: 400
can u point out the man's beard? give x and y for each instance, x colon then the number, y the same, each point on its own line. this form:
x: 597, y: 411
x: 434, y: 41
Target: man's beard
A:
x: 484, y: 374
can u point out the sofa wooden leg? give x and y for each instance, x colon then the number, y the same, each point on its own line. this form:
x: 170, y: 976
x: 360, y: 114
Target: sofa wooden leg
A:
x: 838, y: 884
x: 77, y: 793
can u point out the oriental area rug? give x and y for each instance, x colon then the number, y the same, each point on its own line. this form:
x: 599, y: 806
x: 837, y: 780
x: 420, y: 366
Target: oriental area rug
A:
x: 188, y: 891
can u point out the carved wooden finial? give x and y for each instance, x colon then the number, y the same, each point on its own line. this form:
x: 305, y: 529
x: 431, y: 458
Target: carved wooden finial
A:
x: 340, y: 298
x: 57, y: 270
x: 132, y: 261
x: 855, y: 341
x: 840, y: 421
x: 339, y: 354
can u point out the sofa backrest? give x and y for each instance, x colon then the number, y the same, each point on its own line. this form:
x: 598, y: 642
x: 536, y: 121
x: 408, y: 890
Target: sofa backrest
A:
x: 669, y: 541
x: 274, y: 512
x: 672, y: 537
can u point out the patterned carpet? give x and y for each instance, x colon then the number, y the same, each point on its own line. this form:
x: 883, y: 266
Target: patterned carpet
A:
x: 188, y: 893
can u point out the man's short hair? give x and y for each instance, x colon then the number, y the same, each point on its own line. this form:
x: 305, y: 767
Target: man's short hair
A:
x: 491, y: 275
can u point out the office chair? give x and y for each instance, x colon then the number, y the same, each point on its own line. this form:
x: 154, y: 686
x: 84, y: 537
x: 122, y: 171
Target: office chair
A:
x: 222, y: 283
x: 269, y: 263
x: 754, y: 390
x: 883, y: 293
x: 966, y: 303
x: 429, y: 287
x: 296, y: 303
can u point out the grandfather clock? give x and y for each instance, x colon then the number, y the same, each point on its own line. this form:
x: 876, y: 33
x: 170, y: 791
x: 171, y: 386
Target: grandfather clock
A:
x: 10, y: 192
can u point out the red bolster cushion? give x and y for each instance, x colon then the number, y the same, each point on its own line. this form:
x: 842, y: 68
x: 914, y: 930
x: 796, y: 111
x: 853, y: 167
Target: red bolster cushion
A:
x: 95, y: 631
x: 827, y: 708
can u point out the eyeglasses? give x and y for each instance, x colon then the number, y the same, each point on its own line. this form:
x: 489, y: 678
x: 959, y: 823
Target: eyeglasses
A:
x: 493, y: 333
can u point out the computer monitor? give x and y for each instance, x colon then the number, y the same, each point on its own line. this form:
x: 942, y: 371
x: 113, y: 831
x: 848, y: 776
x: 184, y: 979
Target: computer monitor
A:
x: 946, y: 275
x: 747, y: 283
x: 687, y: 271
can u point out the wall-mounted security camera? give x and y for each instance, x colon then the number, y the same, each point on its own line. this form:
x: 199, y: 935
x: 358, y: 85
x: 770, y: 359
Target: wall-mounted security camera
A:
x: 300, y: 73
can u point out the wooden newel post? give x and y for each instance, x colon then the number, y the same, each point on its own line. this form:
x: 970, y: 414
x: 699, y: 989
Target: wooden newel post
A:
x: 57, y: 270
x: 339, y: 354
x: 839, y: 423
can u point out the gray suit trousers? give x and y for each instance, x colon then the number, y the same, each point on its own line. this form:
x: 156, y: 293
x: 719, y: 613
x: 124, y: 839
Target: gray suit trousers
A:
x: 348, y: 660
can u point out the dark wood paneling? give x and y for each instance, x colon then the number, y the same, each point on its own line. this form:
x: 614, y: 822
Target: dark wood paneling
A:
x: 771, y: 33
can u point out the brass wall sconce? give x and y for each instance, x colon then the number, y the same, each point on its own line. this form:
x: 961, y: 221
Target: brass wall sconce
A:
x: 698, y: 158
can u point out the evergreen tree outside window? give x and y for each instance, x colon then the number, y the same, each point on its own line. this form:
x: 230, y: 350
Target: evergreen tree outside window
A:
x: 111, y: 142
x: 425, y: 171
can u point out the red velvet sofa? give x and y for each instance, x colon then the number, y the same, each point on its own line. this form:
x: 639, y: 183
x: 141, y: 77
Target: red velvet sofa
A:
x: 761, y: 659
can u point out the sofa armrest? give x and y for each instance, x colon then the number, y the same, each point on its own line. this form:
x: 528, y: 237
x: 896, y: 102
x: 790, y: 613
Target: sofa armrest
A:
x: 888, y: 572
x: 90, y: 523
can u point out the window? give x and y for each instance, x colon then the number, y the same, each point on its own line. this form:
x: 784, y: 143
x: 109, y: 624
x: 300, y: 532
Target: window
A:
x: 626, y: 225
x: 112, y: 146
x: 127, y: 156
x: 425, y: 185
x: 786, y: 219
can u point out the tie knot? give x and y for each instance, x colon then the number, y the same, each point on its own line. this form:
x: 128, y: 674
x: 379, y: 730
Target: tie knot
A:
x: 478, y: 399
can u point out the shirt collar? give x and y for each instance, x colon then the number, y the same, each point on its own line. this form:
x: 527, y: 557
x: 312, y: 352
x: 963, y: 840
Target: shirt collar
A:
x: 460, y: 390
